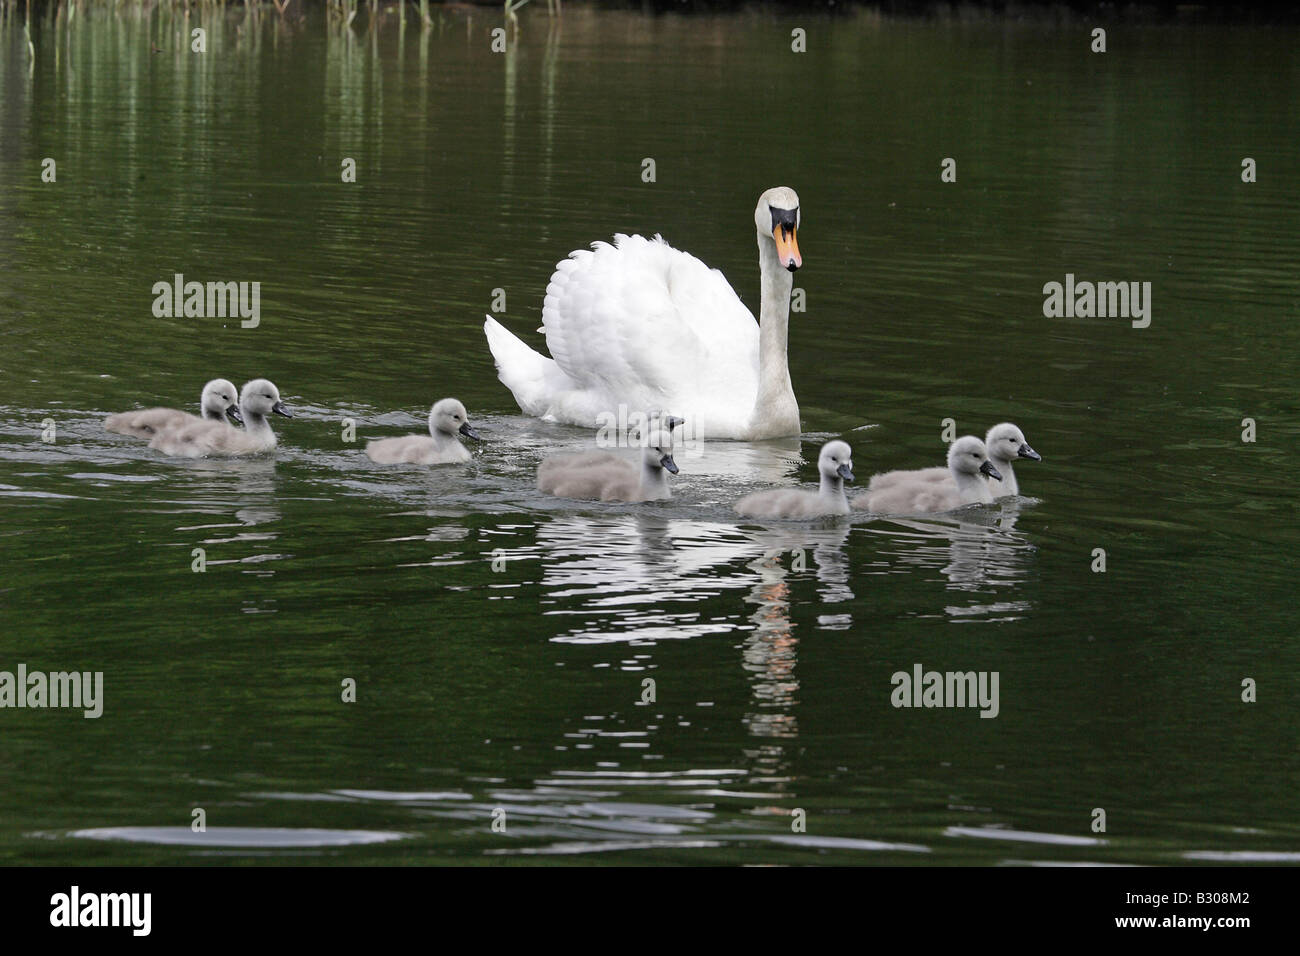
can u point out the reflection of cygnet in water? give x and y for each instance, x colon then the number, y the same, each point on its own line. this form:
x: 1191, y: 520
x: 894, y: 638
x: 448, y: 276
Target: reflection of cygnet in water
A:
x: 447, y: 421
x: 835, y: 464
x: 915, y: 492
x: 606, y: 476
x: 802, y: 547
x: 219, y: 399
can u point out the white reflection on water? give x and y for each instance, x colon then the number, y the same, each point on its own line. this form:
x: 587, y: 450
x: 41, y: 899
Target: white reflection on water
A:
x: 977, y: 550
x: 771, y: 649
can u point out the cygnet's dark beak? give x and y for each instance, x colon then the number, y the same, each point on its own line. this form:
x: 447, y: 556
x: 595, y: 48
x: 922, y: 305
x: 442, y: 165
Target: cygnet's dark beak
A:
x: 281, y: 409
x: 845, y: 471
x: 988, y: 469
x: 667, y: 462
x: 467, y: 430
x: 672, y: 421
x: 1027, y: 452
x: 233, y: 414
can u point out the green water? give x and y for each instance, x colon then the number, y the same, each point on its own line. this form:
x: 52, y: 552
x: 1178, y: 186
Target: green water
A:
x: 520, y: 688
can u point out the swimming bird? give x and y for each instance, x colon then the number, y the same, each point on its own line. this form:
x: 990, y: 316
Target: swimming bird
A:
x: 1003, y: 442
x: 1006, y: 443
x: 447, y: 420
x: 219, y: 399
x: 835, y: 465
x: 917, y: 492
x: 202, y: 439
x: 605, y: 476
x: 643, y: 325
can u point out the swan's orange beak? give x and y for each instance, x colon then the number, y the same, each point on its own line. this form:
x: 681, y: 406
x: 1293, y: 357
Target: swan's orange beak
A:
x: 787, y: 246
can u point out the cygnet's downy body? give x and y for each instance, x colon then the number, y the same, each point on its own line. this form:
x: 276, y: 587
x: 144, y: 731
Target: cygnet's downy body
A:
x: 835, y: 466
x: 258, y: 399
x: 448, y: 420
x: 606, y: 476
x: 1004, y: 444
x: 918, y: 492
x: 219, y: 399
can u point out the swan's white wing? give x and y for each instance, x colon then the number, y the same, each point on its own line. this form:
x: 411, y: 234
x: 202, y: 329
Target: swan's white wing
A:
x: 648, y: 324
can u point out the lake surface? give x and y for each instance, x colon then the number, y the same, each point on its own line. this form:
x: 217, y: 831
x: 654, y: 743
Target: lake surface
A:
x: 519, y: 687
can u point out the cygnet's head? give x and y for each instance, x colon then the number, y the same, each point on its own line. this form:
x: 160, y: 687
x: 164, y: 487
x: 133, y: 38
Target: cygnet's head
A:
x: 449, y: 417
x: 658, y: 451
x: 220, y: 397
x: 777, y: 220
x: 260, y: 398
x: 655, y: 419
x: 836, y: 460
x: 968, y: 456
x: 1006, y: 442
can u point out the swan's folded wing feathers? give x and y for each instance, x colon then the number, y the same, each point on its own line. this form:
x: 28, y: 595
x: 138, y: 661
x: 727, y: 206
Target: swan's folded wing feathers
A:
x: 644, y: 320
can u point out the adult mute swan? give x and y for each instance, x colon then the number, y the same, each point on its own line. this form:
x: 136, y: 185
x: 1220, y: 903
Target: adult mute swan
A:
x: 201, y: 439
x: 447, y: 420
x: 605, y: 476
x: 219, y: 399
x: 646, y: 326
x: 834, y: 464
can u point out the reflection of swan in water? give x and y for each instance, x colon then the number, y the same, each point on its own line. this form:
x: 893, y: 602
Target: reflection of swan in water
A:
x: 771, y: 649
x: 765, y: 463
x: 622, y: 577
x: 635, y: 577
x: 218, y: 485
x: 791, y: 545
x: 977, y: 550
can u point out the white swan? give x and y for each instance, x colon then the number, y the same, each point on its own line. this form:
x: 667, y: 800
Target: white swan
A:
x: 917, y: 492
x: 605, y: 476
x: 447, y: 420
x: 1004, y: 442
x: 219, y: 399
x: 202, y: 439
x: 834, y: 464
x: 643, y: 325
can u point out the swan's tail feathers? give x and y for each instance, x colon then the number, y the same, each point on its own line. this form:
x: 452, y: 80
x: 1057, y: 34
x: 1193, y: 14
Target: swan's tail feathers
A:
x: 530, y: 376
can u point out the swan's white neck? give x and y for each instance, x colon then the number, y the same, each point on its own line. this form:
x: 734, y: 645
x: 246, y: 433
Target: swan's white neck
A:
x: 1008, y: 484
x: 654, y: 481
x: 776, y: 413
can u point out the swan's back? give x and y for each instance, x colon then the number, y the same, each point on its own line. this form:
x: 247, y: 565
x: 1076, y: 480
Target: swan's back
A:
x: 416, y: 450
x: 203, y: 439
x: 595, y: 475
x: 638, y: 314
